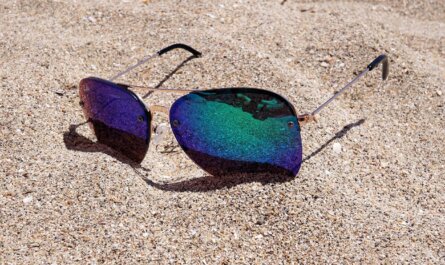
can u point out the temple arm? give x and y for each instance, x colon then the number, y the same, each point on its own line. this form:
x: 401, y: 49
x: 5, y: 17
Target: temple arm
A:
x: 385, y: 71
x: 159, y: 53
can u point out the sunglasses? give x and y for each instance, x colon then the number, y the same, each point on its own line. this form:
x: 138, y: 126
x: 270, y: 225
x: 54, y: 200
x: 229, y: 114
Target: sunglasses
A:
x: 224, y: 131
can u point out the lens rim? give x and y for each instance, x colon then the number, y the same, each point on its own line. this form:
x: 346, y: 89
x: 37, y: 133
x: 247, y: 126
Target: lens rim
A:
x: 125, y: 89
x: 245, y: 90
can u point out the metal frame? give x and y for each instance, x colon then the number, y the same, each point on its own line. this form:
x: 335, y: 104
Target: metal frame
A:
x: 303, y: 119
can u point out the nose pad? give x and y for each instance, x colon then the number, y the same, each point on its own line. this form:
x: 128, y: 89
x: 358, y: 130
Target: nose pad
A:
x: 160, y: 132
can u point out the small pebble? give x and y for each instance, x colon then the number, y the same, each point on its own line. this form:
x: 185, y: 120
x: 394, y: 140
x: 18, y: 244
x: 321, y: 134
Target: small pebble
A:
x: 324, y: 64
x: 91, y: 19
x: 337, y: 148
x: 27, y: 199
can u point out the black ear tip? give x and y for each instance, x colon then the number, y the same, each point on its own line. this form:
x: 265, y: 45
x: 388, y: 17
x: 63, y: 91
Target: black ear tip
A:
x: 381, y: 59
x: 180, y: 46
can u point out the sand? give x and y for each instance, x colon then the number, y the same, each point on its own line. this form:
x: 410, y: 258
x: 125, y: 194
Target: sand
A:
x: 371, y: 188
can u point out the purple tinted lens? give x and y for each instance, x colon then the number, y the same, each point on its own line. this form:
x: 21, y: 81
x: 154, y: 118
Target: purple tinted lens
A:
x: 119, y: 119
x: 241, y: 130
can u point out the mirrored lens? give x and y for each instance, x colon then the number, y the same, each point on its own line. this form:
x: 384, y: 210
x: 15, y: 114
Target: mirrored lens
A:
x: 238, y: 130
x: 119, y: 119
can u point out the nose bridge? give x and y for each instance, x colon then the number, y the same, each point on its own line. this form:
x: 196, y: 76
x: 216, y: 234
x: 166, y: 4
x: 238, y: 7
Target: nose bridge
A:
x: 159, y: 130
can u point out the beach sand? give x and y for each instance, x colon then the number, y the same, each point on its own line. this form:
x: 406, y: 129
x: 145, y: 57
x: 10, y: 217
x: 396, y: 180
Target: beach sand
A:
x: 371, y: 188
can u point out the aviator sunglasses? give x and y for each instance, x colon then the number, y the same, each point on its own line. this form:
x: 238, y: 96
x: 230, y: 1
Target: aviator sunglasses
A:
x: 224, y: 131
